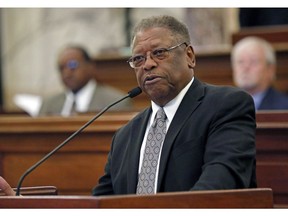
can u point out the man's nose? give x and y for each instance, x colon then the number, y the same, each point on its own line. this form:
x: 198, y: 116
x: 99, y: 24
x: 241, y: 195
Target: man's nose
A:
x: 67, y: 71
x: 149, y: 63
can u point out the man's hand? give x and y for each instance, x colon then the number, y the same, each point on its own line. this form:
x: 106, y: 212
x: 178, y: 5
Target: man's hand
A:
x: 6, y: 188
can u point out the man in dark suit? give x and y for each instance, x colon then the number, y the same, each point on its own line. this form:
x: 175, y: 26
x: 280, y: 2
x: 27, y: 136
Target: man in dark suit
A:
x: 210, y: 140
x: 83, y: 93
x: 210, y: 130
x: 254, y: 70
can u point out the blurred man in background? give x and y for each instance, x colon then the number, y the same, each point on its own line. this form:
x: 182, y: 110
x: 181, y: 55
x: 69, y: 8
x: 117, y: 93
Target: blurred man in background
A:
x: 83, y: 93
x: 254, y: 70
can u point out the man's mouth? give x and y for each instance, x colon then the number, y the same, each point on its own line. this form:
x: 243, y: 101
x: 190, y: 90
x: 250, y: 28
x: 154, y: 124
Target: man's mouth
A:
x: 151, y: 79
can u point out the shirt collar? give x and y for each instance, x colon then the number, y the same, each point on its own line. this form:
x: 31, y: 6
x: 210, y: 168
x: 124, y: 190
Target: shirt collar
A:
x: 83, y: 96
x: 171, y: 107
x: 258, y: 97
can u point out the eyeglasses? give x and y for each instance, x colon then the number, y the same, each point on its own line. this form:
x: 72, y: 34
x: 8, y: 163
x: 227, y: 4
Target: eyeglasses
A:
x: 157, y: 54
x: 71, y: 65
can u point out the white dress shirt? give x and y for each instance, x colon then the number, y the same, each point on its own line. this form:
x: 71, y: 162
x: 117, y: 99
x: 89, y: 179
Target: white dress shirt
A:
x: 82, y: 99
x: 170, y: 110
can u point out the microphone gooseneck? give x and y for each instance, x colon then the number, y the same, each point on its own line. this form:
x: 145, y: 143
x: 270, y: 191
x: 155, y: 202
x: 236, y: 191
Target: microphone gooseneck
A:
x: 133, y: 93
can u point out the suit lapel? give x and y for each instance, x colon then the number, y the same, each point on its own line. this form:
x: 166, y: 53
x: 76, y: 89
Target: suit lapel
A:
x: 189, y: 104
x: 59, y: 103
x: 266, y: 101
x: 135, y: 141
x: 96, y: 98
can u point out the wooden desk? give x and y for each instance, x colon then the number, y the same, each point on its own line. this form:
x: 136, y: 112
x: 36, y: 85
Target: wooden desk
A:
x: 75, y: 169
x: 244, y: 198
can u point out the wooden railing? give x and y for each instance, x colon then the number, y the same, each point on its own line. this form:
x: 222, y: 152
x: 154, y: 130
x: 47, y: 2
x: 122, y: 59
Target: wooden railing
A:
x: 276, y: 35
x: 272, y: 153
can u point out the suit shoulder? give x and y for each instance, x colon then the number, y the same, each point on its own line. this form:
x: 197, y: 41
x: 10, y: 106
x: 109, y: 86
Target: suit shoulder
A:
x: 229, y: 96
x: 142, y: 116
x: 225, y: 90
x: 109, y: 90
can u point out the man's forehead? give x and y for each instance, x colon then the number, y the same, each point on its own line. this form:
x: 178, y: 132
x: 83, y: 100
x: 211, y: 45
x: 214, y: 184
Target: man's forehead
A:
x: 152, y: 38
x: 157, y: 31
x: 70, y: 53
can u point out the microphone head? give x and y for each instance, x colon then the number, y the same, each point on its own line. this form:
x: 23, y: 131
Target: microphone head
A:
x: 134, y: 92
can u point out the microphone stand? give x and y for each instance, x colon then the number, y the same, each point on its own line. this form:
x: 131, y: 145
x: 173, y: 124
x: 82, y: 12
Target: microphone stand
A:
x: 134, y: 92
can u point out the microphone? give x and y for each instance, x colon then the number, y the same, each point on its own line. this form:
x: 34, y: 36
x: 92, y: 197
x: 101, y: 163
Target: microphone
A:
x: 133, y: 93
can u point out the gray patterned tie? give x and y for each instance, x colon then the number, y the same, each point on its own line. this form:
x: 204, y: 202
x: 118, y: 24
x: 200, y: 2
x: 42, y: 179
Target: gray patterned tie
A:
x: 156, y: 134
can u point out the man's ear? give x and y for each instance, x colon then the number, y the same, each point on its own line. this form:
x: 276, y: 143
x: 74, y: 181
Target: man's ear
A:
x: 190, y: 57
x: 92, y: 68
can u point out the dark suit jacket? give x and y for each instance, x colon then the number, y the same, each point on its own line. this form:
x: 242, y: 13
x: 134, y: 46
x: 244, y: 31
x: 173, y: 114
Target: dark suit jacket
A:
x: 210, y: 144
x: 274, y: 100
x: 103, y: 95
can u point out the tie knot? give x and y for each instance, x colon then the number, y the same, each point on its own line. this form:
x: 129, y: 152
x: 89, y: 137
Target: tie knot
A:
x: 160, y: 118
x: 161, y: 114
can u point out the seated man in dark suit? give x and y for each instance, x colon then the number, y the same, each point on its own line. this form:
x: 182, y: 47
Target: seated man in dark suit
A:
x: 194, y: 136
x: 254, y: 70
x: 83, y: 93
